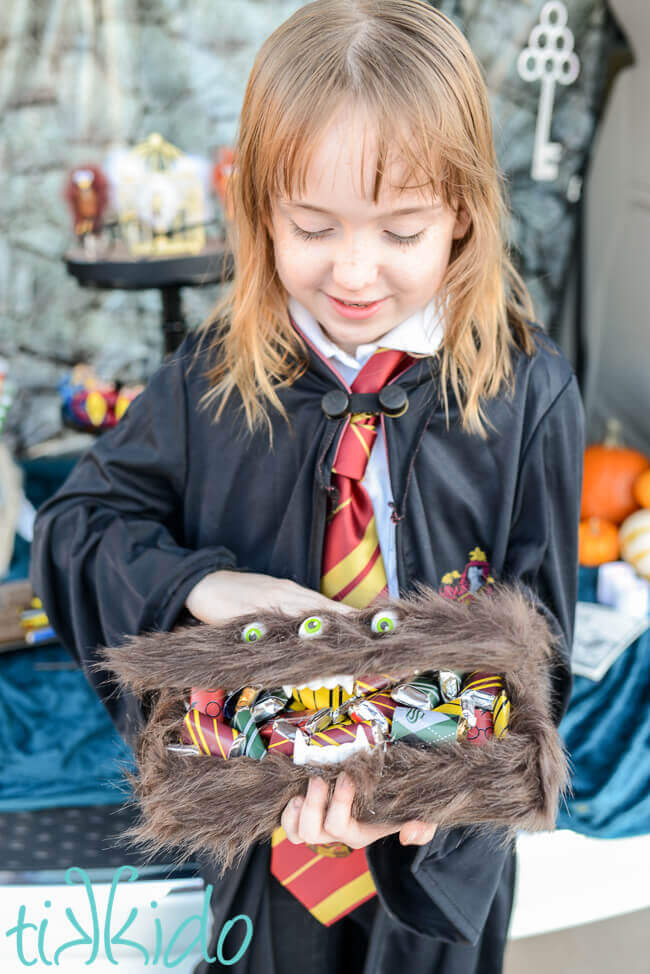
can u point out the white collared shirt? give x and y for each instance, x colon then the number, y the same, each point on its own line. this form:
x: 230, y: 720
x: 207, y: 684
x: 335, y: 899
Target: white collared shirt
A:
x: 421, y: 333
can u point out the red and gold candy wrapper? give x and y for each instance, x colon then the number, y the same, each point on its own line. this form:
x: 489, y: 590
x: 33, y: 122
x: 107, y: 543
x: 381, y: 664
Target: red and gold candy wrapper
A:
x: 210, y: 734
x: 481, y: 680
x: 342, y: 733
x: 277, y: 740
x: 449, y: 780
x: 296, y: 717
x: 209, y: 702
x: 372, y: 683
x: 485, y: 687
x: 384, y: 704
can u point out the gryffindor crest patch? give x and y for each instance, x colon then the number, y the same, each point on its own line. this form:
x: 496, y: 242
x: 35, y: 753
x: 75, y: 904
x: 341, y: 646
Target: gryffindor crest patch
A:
x: 475, y: 575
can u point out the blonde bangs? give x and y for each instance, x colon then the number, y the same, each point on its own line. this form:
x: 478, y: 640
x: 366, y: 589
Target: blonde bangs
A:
x: 330, y: 52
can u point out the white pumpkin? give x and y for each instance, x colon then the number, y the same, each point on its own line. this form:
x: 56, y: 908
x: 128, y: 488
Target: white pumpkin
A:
x: 635, y: 541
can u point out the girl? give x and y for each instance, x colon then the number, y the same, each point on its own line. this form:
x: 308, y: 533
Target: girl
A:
x: 367, y: 227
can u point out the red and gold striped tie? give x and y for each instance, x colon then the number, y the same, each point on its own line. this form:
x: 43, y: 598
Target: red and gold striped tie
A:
x: 332, y: 880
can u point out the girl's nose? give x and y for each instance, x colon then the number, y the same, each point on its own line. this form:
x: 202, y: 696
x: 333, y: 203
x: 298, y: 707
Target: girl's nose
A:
x: 354, y: 274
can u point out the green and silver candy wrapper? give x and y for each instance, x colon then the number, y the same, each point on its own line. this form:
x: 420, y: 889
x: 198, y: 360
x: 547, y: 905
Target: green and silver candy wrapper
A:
x: 422, y: 727
x: 422, y: 691
x: 244, y: 722
x: 269, y: 703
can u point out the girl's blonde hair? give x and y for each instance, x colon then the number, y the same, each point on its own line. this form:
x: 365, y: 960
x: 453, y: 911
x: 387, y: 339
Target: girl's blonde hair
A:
x: 401, y: 59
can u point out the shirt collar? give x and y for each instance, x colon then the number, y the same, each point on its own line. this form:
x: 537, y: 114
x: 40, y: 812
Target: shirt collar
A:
x: 419, y: 334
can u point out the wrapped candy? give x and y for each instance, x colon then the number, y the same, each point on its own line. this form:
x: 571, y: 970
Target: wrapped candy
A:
x: 422, y: 691
x: 484, y: 688
x: 336, y: 743
x: 244, y: 721
x: 282, y: 737
x: 341, y: 712
x: 449, y: 782
x: 462, y: 708
x: 245, y: 724
x: 341, y: 733
x: 375, y: 707
x: 482, y: 730
x: 209, y: 702
x: 372, y: 683
x: 298, y: 718
x: 450, y: 682
x: 423, y: 727
x: 230, y: 703
x: 268, y: 703
x: 258, y: 720
x: 501, y: 715
x: 211, y: 735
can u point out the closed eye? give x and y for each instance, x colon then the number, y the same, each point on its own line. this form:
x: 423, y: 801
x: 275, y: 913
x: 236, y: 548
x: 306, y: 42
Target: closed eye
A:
x: 394, y: 237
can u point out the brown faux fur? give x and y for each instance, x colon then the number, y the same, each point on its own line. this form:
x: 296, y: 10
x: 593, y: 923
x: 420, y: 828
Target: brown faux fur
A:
x: 216, y: 807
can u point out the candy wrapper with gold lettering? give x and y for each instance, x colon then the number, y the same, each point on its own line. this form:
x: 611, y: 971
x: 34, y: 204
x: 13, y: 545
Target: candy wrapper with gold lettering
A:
x: 490, y: 756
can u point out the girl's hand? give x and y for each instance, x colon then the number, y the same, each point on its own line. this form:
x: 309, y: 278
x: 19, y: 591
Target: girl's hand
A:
x: 223, y: 595
x: 305, y: 819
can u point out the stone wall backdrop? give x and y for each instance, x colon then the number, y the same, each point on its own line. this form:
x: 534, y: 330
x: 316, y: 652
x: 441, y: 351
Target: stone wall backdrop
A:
x: 78, y: 77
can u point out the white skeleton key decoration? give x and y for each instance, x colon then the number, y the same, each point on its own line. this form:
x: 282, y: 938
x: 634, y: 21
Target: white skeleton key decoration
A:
x: 549, y: 58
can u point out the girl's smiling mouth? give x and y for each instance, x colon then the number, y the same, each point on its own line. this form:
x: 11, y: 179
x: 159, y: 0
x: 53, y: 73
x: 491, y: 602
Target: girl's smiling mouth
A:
x: 354, y: 311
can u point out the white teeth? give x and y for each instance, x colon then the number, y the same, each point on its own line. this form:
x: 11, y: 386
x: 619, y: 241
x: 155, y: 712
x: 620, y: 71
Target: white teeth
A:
x: 304, y: 753
x: 346, y: 680
x: 299, y: 747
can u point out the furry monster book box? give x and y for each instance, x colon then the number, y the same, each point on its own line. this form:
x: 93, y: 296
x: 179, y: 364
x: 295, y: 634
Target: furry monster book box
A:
x: 217, y: 798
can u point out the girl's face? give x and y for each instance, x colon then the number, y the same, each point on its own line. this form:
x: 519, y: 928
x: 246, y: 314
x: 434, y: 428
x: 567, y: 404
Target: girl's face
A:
x: 334, y: 243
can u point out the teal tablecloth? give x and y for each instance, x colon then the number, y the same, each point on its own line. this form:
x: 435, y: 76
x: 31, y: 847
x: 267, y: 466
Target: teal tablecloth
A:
x: 60, y: 747
x: 607, y: 732
x: 58, y: 744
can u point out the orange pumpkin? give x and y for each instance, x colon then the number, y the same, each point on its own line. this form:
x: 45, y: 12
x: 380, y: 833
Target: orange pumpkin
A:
x: 610, y: 471
x: 641, y: 489
x: 598, y: 541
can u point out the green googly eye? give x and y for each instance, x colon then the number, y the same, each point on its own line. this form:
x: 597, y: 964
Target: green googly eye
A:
x: 311, y: 627
x: 383, y: 622
x: 252, y: 632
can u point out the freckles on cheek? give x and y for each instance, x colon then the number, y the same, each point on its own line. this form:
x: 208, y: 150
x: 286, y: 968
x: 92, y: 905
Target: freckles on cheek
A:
x: 289, y: 254
x: 410, y: 277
